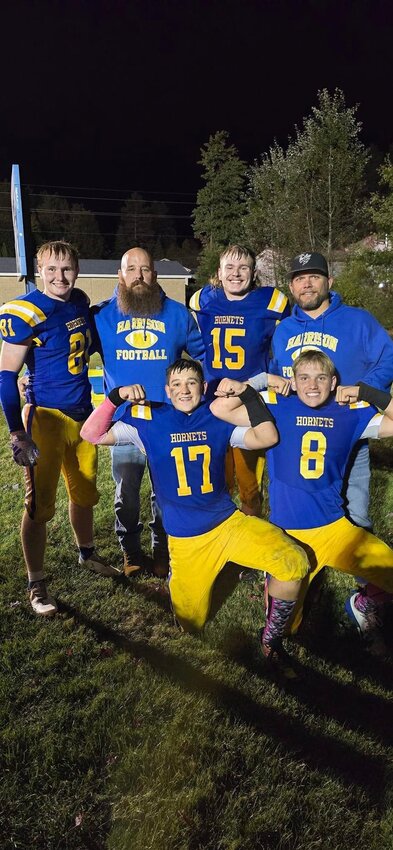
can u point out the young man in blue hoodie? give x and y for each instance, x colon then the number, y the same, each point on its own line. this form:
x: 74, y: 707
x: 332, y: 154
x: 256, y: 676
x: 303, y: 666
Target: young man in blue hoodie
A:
x: 358, y: 345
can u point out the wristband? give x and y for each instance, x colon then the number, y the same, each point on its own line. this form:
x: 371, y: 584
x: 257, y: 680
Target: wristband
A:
x: 115, y: 397
x: 256, y: 407
x: 378, y: 398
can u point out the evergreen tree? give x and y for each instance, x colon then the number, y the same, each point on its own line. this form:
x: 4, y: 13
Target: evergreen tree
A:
x: 382, y: 202
x: 220, y: 204
x: 310, y: 197
x: 331, y: 180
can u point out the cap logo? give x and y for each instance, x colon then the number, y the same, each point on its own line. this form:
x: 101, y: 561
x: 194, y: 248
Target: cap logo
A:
x: 304, y: 259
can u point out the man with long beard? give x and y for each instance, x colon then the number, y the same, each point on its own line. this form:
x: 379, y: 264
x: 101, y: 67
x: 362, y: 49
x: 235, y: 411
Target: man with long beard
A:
x: 140, y: 332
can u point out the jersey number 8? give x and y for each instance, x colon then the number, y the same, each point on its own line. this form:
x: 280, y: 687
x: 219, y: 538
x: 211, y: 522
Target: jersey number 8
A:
x: 313, y: 450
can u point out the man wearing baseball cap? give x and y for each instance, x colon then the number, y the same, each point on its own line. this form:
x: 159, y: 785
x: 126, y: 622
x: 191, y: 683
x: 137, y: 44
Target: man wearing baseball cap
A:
x: 358, y: 345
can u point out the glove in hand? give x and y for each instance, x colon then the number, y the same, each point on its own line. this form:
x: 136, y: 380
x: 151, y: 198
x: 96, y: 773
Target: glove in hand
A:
x: 24, y: 450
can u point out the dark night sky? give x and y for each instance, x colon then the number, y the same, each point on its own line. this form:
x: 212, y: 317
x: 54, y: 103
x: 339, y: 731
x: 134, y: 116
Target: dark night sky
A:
x: 109, y: 93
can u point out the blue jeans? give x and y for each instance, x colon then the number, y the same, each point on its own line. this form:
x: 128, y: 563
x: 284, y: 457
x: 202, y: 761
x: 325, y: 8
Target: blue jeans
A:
x: 128, y: 466
x: 357, y: 485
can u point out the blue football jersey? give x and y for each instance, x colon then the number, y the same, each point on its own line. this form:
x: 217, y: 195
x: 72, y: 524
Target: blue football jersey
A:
x: 186, y: 455
x: 57, y: 361
x: 237, y: 333
x: 307, y: 467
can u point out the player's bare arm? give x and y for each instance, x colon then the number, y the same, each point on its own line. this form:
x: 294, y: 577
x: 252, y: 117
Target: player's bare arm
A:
x: 239, y: 404
x: 379, y: 398
x: 263, y: 381
x: 347, y: 394
x: 227, y: 404
x: 13, y: 357
x: 134, y: 393
x: 279, y: 385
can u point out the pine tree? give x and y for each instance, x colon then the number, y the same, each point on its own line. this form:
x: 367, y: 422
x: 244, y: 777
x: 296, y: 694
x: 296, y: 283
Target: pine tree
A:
x: 220, y: 204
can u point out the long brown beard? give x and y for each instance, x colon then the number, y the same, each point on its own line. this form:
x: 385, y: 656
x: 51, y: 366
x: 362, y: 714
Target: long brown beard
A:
x: 145, y: 302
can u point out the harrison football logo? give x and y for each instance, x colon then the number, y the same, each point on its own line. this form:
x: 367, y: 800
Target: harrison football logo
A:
x: 141, y: 339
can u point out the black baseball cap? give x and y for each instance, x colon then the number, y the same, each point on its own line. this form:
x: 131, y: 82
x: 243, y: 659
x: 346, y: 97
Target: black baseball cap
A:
x: 308, y: 262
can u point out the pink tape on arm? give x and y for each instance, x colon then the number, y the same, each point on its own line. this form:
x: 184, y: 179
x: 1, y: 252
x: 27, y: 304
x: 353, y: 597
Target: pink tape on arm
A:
x: 98, y: 423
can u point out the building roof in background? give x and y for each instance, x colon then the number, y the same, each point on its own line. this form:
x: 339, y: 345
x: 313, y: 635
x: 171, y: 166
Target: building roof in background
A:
x: 108, y: 268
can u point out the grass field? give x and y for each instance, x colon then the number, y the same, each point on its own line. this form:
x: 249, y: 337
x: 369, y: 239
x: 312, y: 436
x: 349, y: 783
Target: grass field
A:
x: 118, y: 732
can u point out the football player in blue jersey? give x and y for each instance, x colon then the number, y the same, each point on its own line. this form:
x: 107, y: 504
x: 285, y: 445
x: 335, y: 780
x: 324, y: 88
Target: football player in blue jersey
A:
x: 186, y: 446
x: 237, y: 319
x: 49, y: 331
x: 140, y: 331
x: 359, y: 346
x: 306, y: 470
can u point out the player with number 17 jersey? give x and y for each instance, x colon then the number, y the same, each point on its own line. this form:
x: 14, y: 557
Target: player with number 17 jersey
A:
x: 186, y: 455
x: 57, y: 360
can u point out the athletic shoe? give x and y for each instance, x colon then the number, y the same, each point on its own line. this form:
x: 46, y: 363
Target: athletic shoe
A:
x: 369, y: 626
x: 276, y: 658
x: 270, y: 651
x: 160, y: 563
x: 40, y: 600
x: 133, y: 564
x: 97, y: 565
x: 250, y: 576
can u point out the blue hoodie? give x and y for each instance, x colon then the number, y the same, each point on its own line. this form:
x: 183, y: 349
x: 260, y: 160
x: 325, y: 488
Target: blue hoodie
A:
x: 138, y: 350
x: 359, y: 346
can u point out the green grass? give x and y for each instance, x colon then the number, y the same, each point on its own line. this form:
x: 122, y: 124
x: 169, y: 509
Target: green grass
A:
x: 118, y: 732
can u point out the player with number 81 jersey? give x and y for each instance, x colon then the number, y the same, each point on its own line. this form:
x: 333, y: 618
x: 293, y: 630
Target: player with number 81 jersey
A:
x: 58, y: 357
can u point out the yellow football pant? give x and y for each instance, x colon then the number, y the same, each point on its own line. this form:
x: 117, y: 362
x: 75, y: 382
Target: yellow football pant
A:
x: 347, y: 548
x: 62, y: 451
x: 246, y: 540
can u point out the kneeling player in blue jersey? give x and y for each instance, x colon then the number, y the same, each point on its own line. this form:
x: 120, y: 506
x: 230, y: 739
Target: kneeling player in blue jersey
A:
x: 186, y: 445
x: 306, y: 471
x: 49, y: 331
